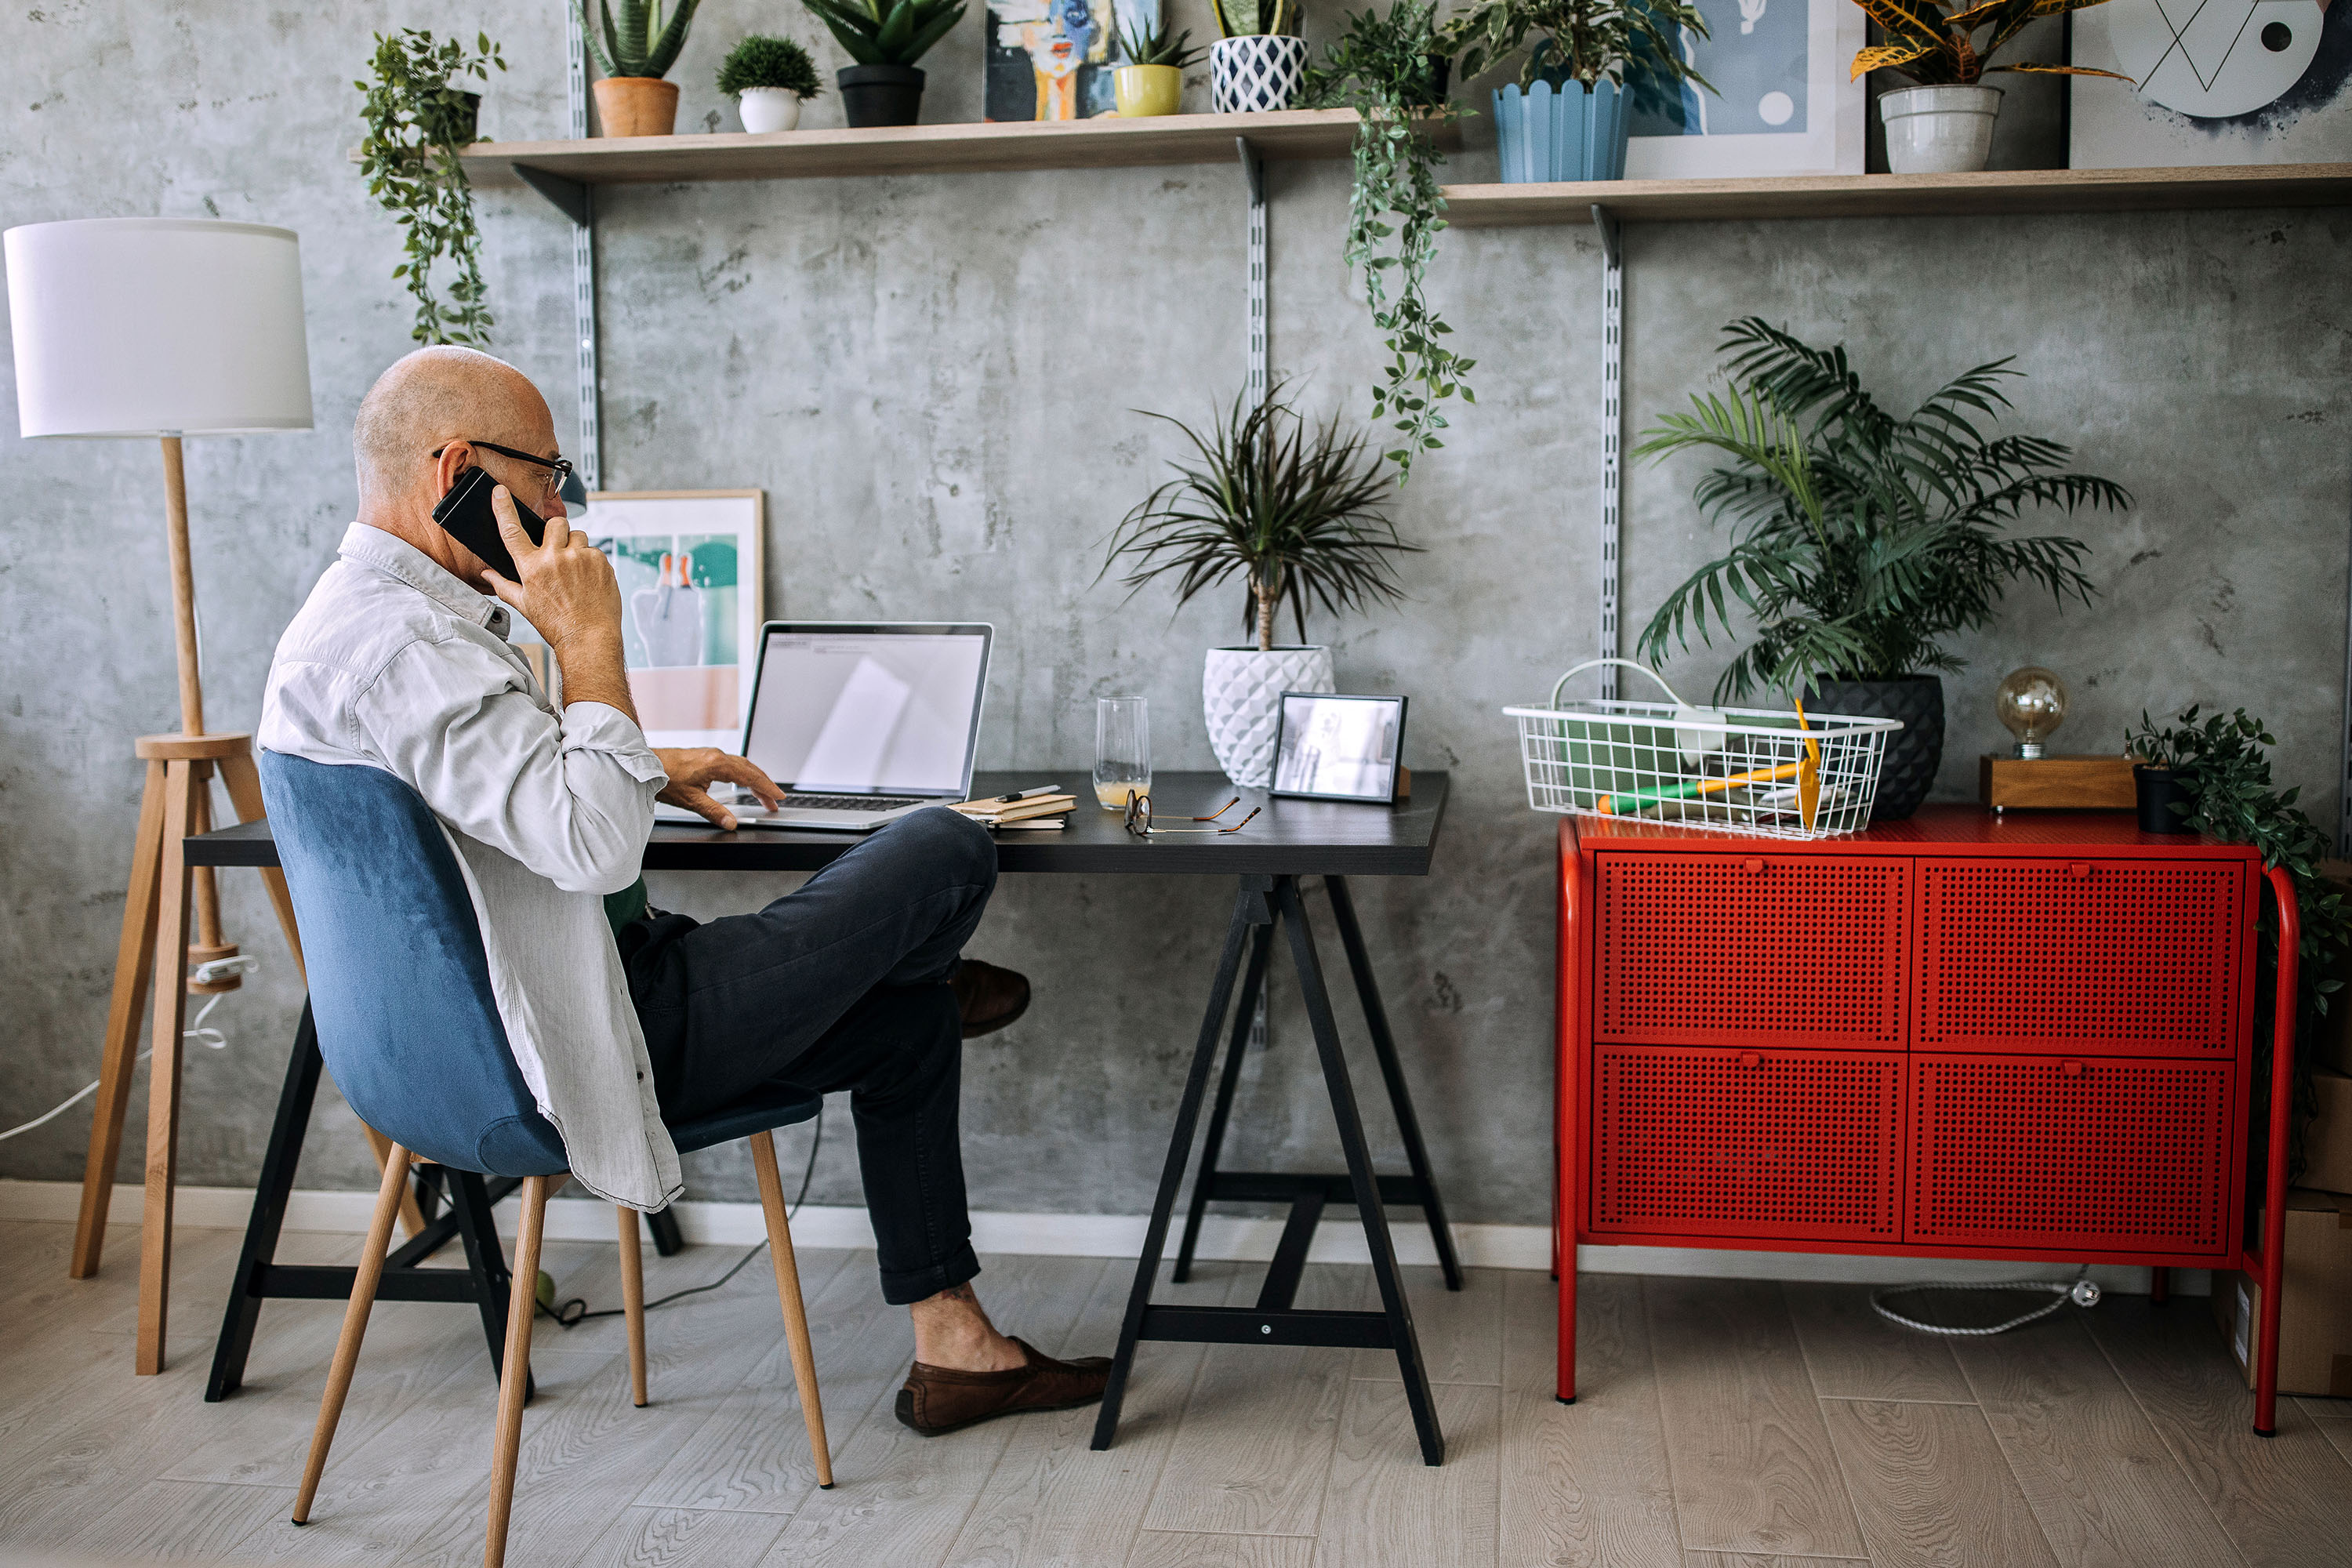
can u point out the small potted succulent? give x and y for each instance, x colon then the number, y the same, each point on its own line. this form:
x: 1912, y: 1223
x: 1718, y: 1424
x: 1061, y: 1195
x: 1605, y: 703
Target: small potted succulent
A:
x: 1943, y: 123
x: 1296, y: 513
x: 885, y: 37
x: 769, y: 78
x: 2162, y: 757
x: 636, y: 51
x: 1258, y: 60
x: 1566, y: 117
x: 1151, y: 82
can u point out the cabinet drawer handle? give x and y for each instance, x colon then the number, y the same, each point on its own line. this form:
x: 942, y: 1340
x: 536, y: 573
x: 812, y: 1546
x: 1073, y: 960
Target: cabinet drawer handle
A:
x: 2071, y: 1069
x: 1750, y: 1059
x: 1753, y: 866
x: 2080, y: 870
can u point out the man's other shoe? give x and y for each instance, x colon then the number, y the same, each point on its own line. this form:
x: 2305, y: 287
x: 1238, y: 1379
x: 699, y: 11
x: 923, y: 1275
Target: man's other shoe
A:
x: 989, y: 997
x: 939, y: 1399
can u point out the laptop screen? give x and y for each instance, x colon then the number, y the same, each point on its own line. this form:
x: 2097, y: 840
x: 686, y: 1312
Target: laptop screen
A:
x: 868, y: 710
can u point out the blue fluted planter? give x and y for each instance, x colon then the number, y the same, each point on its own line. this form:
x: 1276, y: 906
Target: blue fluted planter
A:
x: 1547, y: 133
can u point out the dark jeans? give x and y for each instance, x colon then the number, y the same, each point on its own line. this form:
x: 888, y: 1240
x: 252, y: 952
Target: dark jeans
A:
x: 842, y: 984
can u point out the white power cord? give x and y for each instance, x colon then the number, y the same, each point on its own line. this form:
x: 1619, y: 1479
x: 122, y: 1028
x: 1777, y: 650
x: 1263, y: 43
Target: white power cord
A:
x: 2082, y: 1290
x: 205, y: 973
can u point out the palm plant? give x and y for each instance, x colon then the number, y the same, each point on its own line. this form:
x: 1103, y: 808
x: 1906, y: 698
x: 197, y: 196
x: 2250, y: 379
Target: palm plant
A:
x: 1862, y: 539
x: 640, y: 44
x: 887, y: 32
x: 1294, y: 512
x: 1939, y: 47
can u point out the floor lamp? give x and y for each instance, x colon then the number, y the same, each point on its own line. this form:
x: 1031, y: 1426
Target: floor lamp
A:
x: 165, y: 328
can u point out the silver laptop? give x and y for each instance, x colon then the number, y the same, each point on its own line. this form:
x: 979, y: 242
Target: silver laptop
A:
x: 860, y: 722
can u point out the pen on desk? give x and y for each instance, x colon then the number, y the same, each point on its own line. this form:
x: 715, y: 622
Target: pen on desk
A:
x: 1026, y: 793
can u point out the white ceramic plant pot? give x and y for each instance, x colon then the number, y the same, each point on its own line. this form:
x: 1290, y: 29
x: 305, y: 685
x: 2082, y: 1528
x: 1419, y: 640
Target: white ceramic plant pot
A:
x: 1241, y: 693
x: 1938, y: 129
x: 766, y: 109
x: 1256, y: 72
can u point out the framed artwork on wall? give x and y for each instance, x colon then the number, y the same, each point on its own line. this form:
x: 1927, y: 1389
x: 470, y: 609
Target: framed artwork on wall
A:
x: 689, y: 567
x: 2220, y: 82
x: 1053, y: 60
x: 1783, y: 102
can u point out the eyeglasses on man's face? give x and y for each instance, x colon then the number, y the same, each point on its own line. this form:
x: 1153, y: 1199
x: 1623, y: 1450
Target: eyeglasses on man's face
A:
x: 1138, y: 819
x: 559, y: 469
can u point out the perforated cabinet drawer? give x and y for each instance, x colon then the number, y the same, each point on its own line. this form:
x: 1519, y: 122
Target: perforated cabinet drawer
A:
x: 2085, y: 1154
x: 1747, y: 950
x: 1767, y: 1143
x: 2081, y: 957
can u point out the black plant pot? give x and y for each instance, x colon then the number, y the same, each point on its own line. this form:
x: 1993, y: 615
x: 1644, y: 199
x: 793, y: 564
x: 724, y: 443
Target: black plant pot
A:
x: 880, y: 95
x: 1439, y: 77
x: 1913, y: 752
x: 2159, y: 789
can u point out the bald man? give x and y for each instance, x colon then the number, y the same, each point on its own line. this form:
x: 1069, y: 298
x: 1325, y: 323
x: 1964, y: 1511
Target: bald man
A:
x: 617, y: 1012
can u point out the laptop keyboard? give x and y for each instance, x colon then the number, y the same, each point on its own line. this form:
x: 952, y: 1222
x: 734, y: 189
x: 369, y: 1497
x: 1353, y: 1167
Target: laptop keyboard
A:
x: 853, y: 802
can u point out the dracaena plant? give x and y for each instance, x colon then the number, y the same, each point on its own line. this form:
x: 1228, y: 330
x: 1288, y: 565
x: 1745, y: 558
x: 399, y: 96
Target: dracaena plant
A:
x: 1861, y: 539
x: 887, y: 32
x: 637, y: 43
x: 1291, y: 509
x: 417, y: 121
x: 1940, y: 47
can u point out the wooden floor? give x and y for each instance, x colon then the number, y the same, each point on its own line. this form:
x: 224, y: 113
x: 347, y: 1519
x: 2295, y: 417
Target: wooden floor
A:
x: 1724, y: 1424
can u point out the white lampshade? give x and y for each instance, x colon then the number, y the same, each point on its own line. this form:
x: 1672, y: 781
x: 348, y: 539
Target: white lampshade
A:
x: 157, y: 326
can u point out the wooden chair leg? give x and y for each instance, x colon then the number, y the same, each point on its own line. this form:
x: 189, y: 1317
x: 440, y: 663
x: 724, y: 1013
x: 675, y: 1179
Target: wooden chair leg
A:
x: 520, y: 1309
x: 355, y: 1321
x: 788, y: 1294
x: 633, y: 1303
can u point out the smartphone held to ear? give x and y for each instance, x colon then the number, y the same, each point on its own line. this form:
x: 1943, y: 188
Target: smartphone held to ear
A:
x: 466, y: 513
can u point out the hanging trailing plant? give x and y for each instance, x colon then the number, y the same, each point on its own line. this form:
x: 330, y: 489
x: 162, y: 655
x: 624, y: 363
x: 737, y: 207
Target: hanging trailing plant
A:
x: 1392, y: 70
x: 416, y: 123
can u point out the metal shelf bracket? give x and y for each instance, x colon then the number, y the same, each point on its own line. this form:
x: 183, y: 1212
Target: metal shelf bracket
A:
x: 1253, y: 173
x: 1612, y: 429
x: 569, y: 197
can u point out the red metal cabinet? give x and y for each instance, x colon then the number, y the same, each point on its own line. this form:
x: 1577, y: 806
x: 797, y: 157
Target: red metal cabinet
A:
x: 1958, y: 1036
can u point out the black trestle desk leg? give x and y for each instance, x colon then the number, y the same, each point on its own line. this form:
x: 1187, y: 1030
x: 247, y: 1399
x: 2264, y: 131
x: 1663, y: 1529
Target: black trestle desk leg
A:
x: 1250, y: 909
x: 1375, y: 1020
x: 271, y: 1192
x: 1253, y: 982
x: 1362, y: 1179
x: 470, y: 1197
x: 668, y: 1240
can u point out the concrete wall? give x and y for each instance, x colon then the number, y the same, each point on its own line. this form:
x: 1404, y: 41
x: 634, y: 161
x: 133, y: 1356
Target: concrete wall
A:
x: 932, y: 378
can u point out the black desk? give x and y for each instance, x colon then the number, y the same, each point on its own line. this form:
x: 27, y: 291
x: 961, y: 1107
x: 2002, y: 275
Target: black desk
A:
x: 1290, y: 839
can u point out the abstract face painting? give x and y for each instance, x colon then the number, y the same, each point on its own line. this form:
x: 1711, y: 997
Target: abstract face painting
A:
x: 1052, y: 59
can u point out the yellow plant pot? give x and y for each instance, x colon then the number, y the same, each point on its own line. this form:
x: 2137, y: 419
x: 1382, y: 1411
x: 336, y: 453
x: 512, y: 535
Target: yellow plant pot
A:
x: 1145, y: 92
x: 636, y: 106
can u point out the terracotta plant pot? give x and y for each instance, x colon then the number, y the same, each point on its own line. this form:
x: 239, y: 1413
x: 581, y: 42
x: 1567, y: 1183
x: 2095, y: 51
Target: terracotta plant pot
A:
x: 1145, y: 92
x: 636, y: 106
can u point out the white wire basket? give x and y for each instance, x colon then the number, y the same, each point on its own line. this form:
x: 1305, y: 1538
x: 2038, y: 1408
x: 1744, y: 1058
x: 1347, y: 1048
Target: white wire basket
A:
x: 1736, y: 769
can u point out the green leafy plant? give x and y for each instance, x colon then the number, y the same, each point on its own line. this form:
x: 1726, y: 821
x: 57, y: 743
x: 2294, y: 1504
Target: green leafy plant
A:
x: 1245, y: 18
x: 640, y: 44
x: 1293, y: 510
x: 1860, y: 541
x: 1586, y: 41
x: 415, y: 122
x: 1387, y: 68
x: 1935, y: 47
x: 761, y: 61
x: 1149, y: 46
x: 887, y: 32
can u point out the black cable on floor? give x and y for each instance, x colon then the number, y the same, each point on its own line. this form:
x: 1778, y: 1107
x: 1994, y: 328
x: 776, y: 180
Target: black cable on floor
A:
x: 574, y: 1311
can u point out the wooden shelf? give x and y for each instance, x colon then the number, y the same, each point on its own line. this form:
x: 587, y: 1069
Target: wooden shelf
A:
x: 1102, y: 142
x: 1903, y: 195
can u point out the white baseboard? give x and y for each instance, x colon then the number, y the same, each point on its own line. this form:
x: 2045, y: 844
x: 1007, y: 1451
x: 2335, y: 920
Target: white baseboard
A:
x: 1222, y: 1237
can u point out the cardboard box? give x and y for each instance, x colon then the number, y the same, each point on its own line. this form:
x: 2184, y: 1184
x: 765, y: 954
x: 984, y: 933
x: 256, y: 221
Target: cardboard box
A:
x: 2316, y: 1308
x: 2328, y: 1137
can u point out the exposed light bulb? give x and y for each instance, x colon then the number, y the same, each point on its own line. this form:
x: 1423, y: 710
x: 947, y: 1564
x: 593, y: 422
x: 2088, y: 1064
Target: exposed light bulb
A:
x: 2032, y: 702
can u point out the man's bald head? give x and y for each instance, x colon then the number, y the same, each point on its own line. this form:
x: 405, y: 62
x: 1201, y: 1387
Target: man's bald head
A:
x: 432, y: 397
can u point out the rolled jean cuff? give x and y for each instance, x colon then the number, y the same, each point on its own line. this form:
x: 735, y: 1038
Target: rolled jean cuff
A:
x: 913, y: 1284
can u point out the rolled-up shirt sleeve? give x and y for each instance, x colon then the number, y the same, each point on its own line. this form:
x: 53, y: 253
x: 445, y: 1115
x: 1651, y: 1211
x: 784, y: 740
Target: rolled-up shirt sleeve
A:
x: 570, y: 796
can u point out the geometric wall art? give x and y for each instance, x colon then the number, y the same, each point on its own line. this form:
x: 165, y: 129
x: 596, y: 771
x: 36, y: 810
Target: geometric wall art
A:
x: 2220, y: 81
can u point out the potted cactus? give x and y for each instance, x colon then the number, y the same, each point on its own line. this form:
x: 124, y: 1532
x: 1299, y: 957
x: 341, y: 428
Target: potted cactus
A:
x: 885, y: 37
x: 769, y: 78
x: 1151, y: 82
x: 635, y: 52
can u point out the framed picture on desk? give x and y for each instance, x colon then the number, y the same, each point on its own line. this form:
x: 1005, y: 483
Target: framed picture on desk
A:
x: 1338, y: 748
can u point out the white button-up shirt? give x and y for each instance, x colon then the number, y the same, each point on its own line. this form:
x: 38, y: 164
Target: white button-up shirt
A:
x: 395, y: 664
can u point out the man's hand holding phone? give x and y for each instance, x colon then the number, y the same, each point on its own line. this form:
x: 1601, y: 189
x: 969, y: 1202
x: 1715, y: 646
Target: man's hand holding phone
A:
x: 567, y: 590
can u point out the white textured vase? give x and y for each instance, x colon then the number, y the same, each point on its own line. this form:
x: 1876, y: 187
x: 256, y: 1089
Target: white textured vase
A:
x: 766, y: 109
x: 1256, y: 72
x: 1240, y: 693
x: 1938, y: 129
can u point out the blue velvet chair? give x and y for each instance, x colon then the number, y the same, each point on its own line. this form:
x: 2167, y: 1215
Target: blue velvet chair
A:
x: 401, y: 991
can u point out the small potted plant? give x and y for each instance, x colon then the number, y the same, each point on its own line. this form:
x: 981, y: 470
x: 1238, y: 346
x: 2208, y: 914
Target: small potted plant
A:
x: 1296, y: 513
x: 1151, y: 82
x: 2162, y: 760
x: 1257, y: 61
x: 769, y: 78
x: 885, y: 37
x: 636, y: 51
x: 1564, y: 118
x: 417, y: 120
x: 1943, y: 123
x: 1864, y: 539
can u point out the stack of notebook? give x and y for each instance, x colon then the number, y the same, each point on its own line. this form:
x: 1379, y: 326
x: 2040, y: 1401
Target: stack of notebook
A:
x: 1035, y: 812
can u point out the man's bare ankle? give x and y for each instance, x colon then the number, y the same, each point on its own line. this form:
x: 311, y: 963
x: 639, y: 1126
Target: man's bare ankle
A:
x: 952, y: 1331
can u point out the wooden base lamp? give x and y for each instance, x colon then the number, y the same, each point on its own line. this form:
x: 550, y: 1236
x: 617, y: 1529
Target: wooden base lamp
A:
x: 163, y: 328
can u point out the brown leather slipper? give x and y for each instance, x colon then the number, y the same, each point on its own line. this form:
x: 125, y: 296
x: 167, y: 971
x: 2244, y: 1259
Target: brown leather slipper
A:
x: 988, y: 998
x: 941, y: 1399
